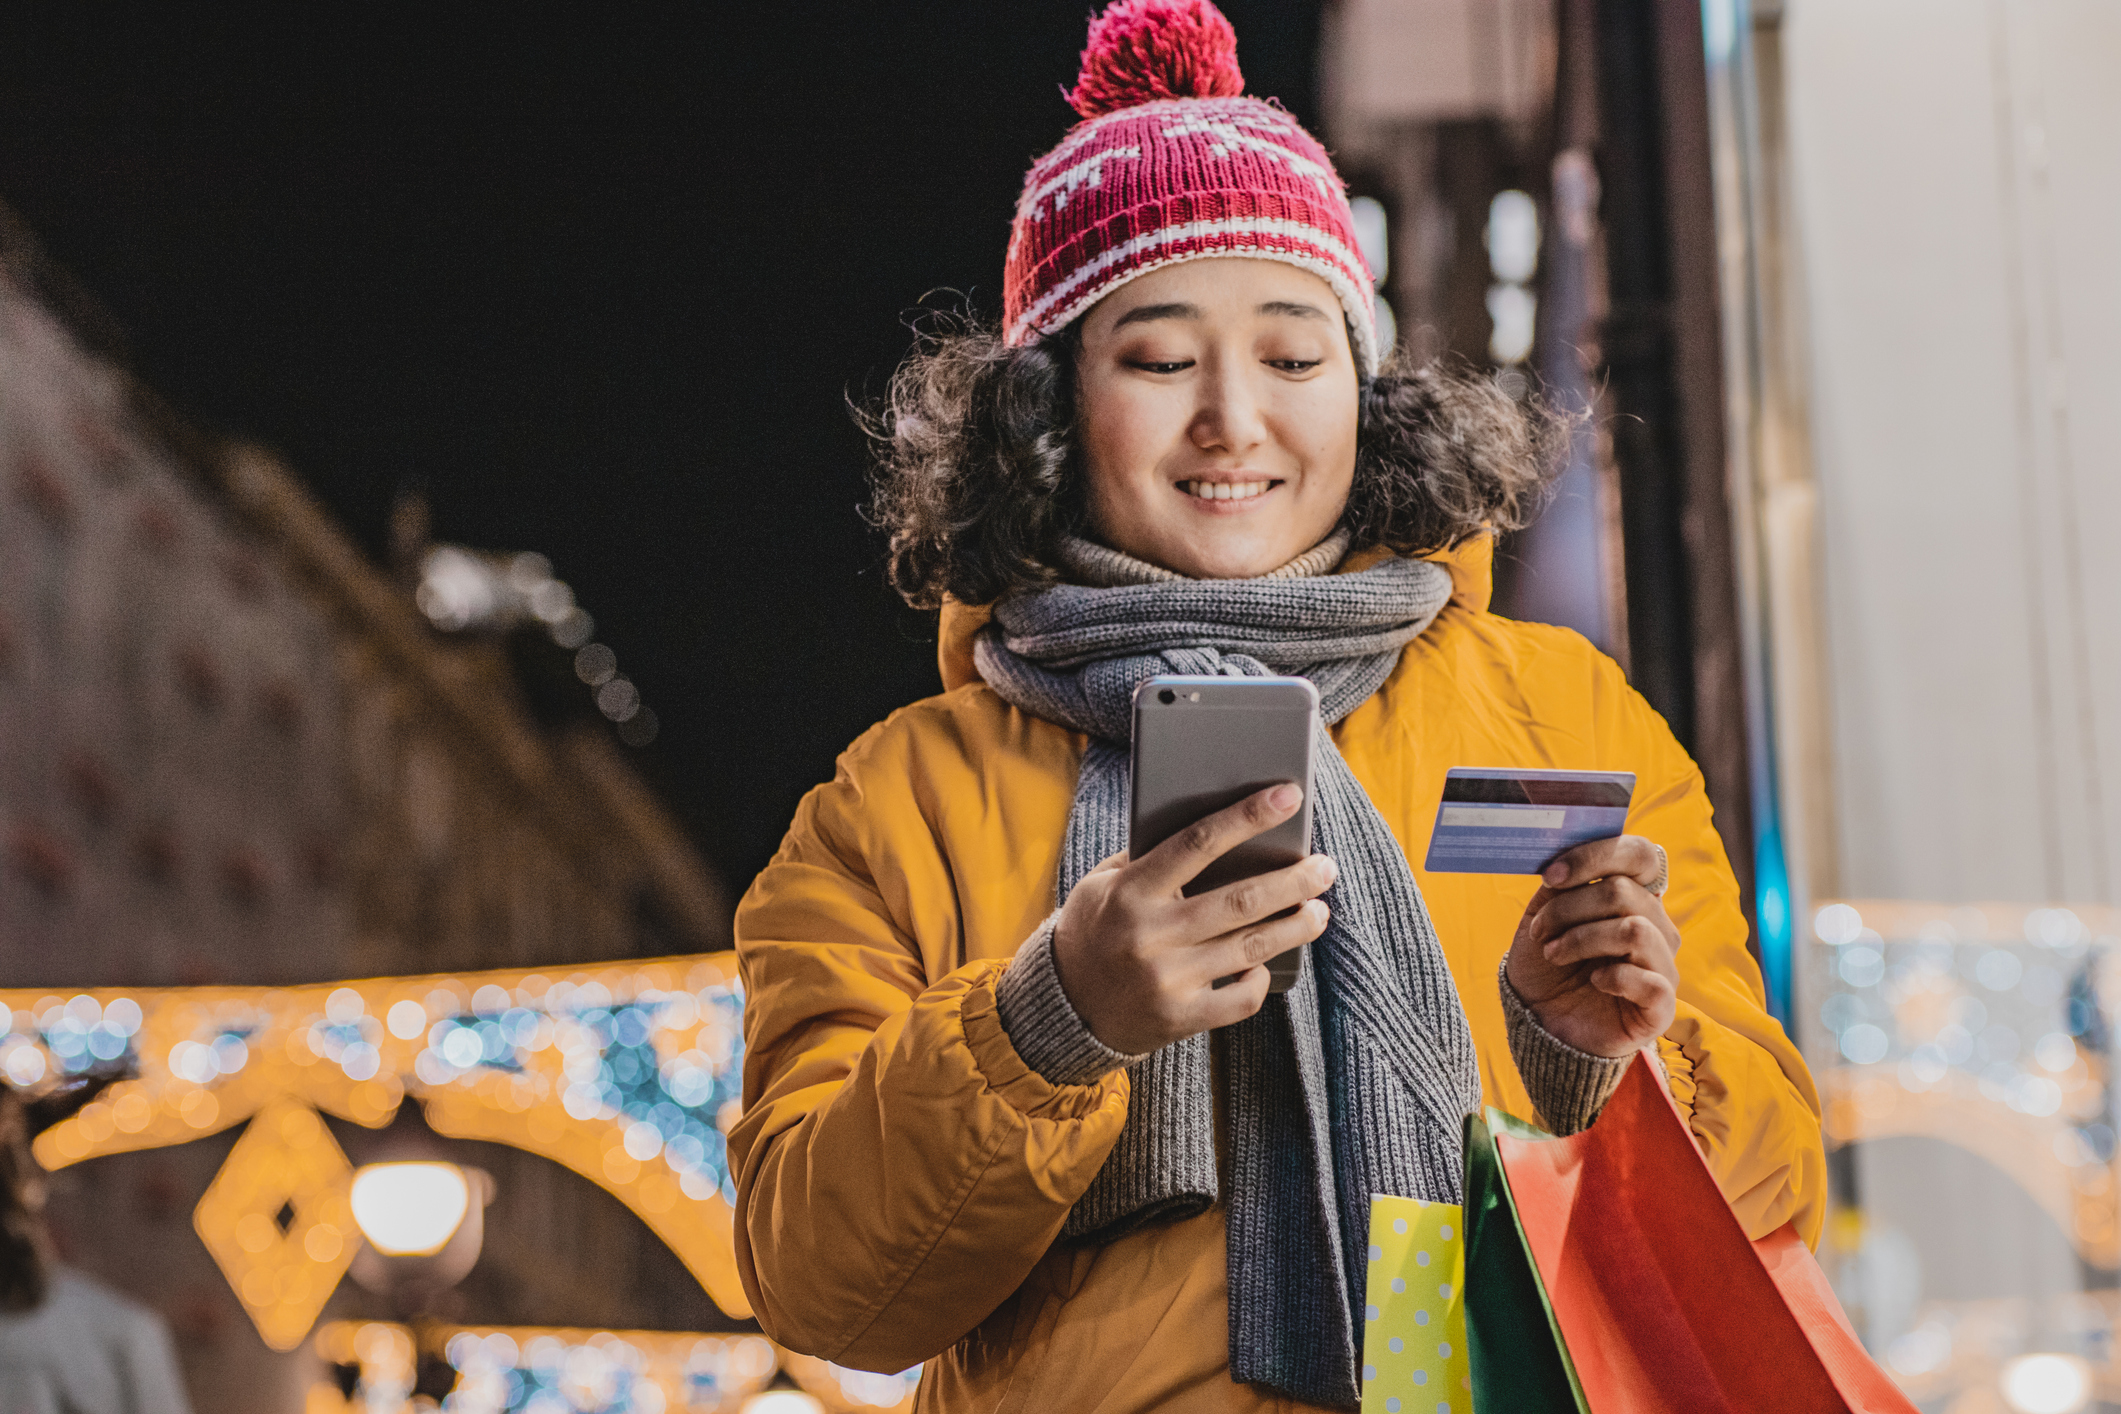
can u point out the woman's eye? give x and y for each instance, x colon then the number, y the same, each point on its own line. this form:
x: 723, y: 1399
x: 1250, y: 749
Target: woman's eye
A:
x: 1148, y: 365
x: 1295, y: 365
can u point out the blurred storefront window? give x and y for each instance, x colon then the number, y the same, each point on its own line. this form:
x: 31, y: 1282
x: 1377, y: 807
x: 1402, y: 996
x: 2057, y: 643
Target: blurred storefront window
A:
x: 1837, y: 279
x: 1915, y: 326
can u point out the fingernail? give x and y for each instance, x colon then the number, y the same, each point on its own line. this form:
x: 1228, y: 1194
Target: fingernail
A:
x: 1285, y: 796
x: 1332, y: 868
x: 1555, y: 873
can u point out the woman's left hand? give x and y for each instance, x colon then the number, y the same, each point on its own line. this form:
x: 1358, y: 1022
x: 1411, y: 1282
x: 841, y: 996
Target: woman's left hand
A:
x: 1595, y: 956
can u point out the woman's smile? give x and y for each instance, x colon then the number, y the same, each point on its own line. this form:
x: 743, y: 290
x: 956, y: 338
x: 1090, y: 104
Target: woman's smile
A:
x: 1229, y: 495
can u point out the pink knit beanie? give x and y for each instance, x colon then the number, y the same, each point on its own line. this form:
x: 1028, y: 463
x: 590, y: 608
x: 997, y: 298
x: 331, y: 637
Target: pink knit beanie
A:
x: 1172, y: 163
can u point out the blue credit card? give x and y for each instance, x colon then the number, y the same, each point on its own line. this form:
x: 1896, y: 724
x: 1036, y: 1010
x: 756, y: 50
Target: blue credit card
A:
x: 1500, y: 820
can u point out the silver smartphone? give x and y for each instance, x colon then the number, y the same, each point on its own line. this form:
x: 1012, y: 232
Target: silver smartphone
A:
x: 1201, y: 744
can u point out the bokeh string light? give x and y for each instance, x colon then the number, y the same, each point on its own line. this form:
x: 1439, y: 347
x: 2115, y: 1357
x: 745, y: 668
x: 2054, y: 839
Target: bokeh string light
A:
x: 1987, y: 1027
x: 615, y: 694
x: 550, y: 1370
x: 1992, y: 1005
x: 462, y: 590
x: 630, y: 1075
x: 1512, y: 238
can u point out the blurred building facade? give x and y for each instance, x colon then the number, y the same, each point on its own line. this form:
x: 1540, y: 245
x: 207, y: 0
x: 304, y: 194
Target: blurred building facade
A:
x: 234, y: 751
x: 1837, y: 278
x: 1920, y: 296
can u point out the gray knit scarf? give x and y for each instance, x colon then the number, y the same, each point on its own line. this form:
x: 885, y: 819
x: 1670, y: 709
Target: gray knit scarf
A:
x: 1352, y: 1083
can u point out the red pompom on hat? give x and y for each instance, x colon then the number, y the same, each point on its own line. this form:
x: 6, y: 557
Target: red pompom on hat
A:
x: 1142, y: 50
x: 1172, y: 163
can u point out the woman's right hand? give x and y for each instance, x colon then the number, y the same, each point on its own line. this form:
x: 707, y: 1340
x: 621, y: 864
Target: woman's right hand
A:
x: 1139, y: 960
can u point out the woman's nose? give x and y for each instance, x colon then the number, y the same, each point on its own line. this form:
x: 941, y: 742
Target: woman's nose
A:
x: 1229, y: 418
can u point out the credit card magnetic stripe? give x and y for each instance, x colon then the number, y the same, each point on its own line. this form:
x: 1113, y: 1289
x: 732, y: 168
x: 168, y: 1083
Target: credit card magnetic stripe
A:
x: 1491, y: 786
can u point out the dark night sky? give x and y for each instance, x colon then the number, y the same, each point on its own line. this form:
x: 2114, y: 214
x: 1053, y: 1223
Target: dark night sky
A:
x: 599, y: 281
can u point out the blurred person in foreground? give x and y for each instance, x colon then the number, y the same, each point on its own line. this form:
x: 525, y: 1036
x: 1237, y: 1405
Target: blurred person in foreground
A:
x: 1041, y: 1147
x: 68, y: 1345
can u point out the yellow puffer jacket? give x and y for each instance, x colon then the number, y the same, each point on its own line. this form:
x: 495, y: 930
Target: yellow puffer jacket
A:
x: 902, y: 1174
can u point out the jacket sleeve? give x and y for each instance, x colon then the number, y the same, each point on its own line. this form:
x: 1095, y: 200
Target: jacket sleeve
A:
x: 900, y: 1169
x: 1735, y: 1073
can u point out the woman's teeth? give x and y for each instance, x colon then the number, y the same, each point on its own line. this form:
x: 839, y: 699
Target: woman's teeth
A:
x: 1225, y: 490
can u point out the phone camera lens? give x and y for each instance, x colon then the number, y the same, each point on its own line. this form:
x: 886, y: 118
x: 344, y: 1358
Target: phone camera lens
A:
x: 1167, y: 697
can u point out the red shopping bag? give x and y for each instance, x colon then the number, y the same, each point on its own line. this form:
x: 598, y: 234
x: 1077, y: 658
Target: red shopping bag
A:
x: 1662, y: 1301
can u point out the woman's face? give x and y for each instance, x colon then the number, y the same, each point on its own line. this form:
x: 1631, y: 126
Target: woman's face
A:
x: 1217, y: 410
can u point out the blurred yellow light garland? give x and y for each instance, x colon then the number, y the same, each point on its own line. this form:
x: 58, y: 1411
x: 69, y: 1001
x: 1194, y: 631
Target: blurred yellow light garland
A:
x: 560, y: 1065
x: 286, y: 1162
x: 676, y: 1372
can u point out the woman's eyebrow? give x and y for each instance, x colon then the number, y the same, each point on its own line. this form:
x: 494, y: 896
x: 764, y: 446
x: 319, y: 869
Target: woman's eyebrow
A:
x: 1291, y: 307
x: 1157, y: 311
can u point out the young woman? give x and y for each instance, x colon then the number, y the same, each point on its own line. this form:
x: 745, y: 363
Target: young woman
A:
x: 1037, y: 1145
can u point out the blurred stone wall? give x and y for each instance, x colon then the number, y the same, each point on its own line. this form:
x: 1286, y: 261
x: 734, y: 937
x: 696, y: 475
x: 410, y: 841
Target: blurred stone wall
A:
x: 178, y: 790
x: 234, y: 752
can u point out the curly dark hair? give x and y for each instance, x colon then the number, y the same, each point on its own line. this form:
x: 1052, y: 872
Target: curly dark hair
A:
x: 977, y: 478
